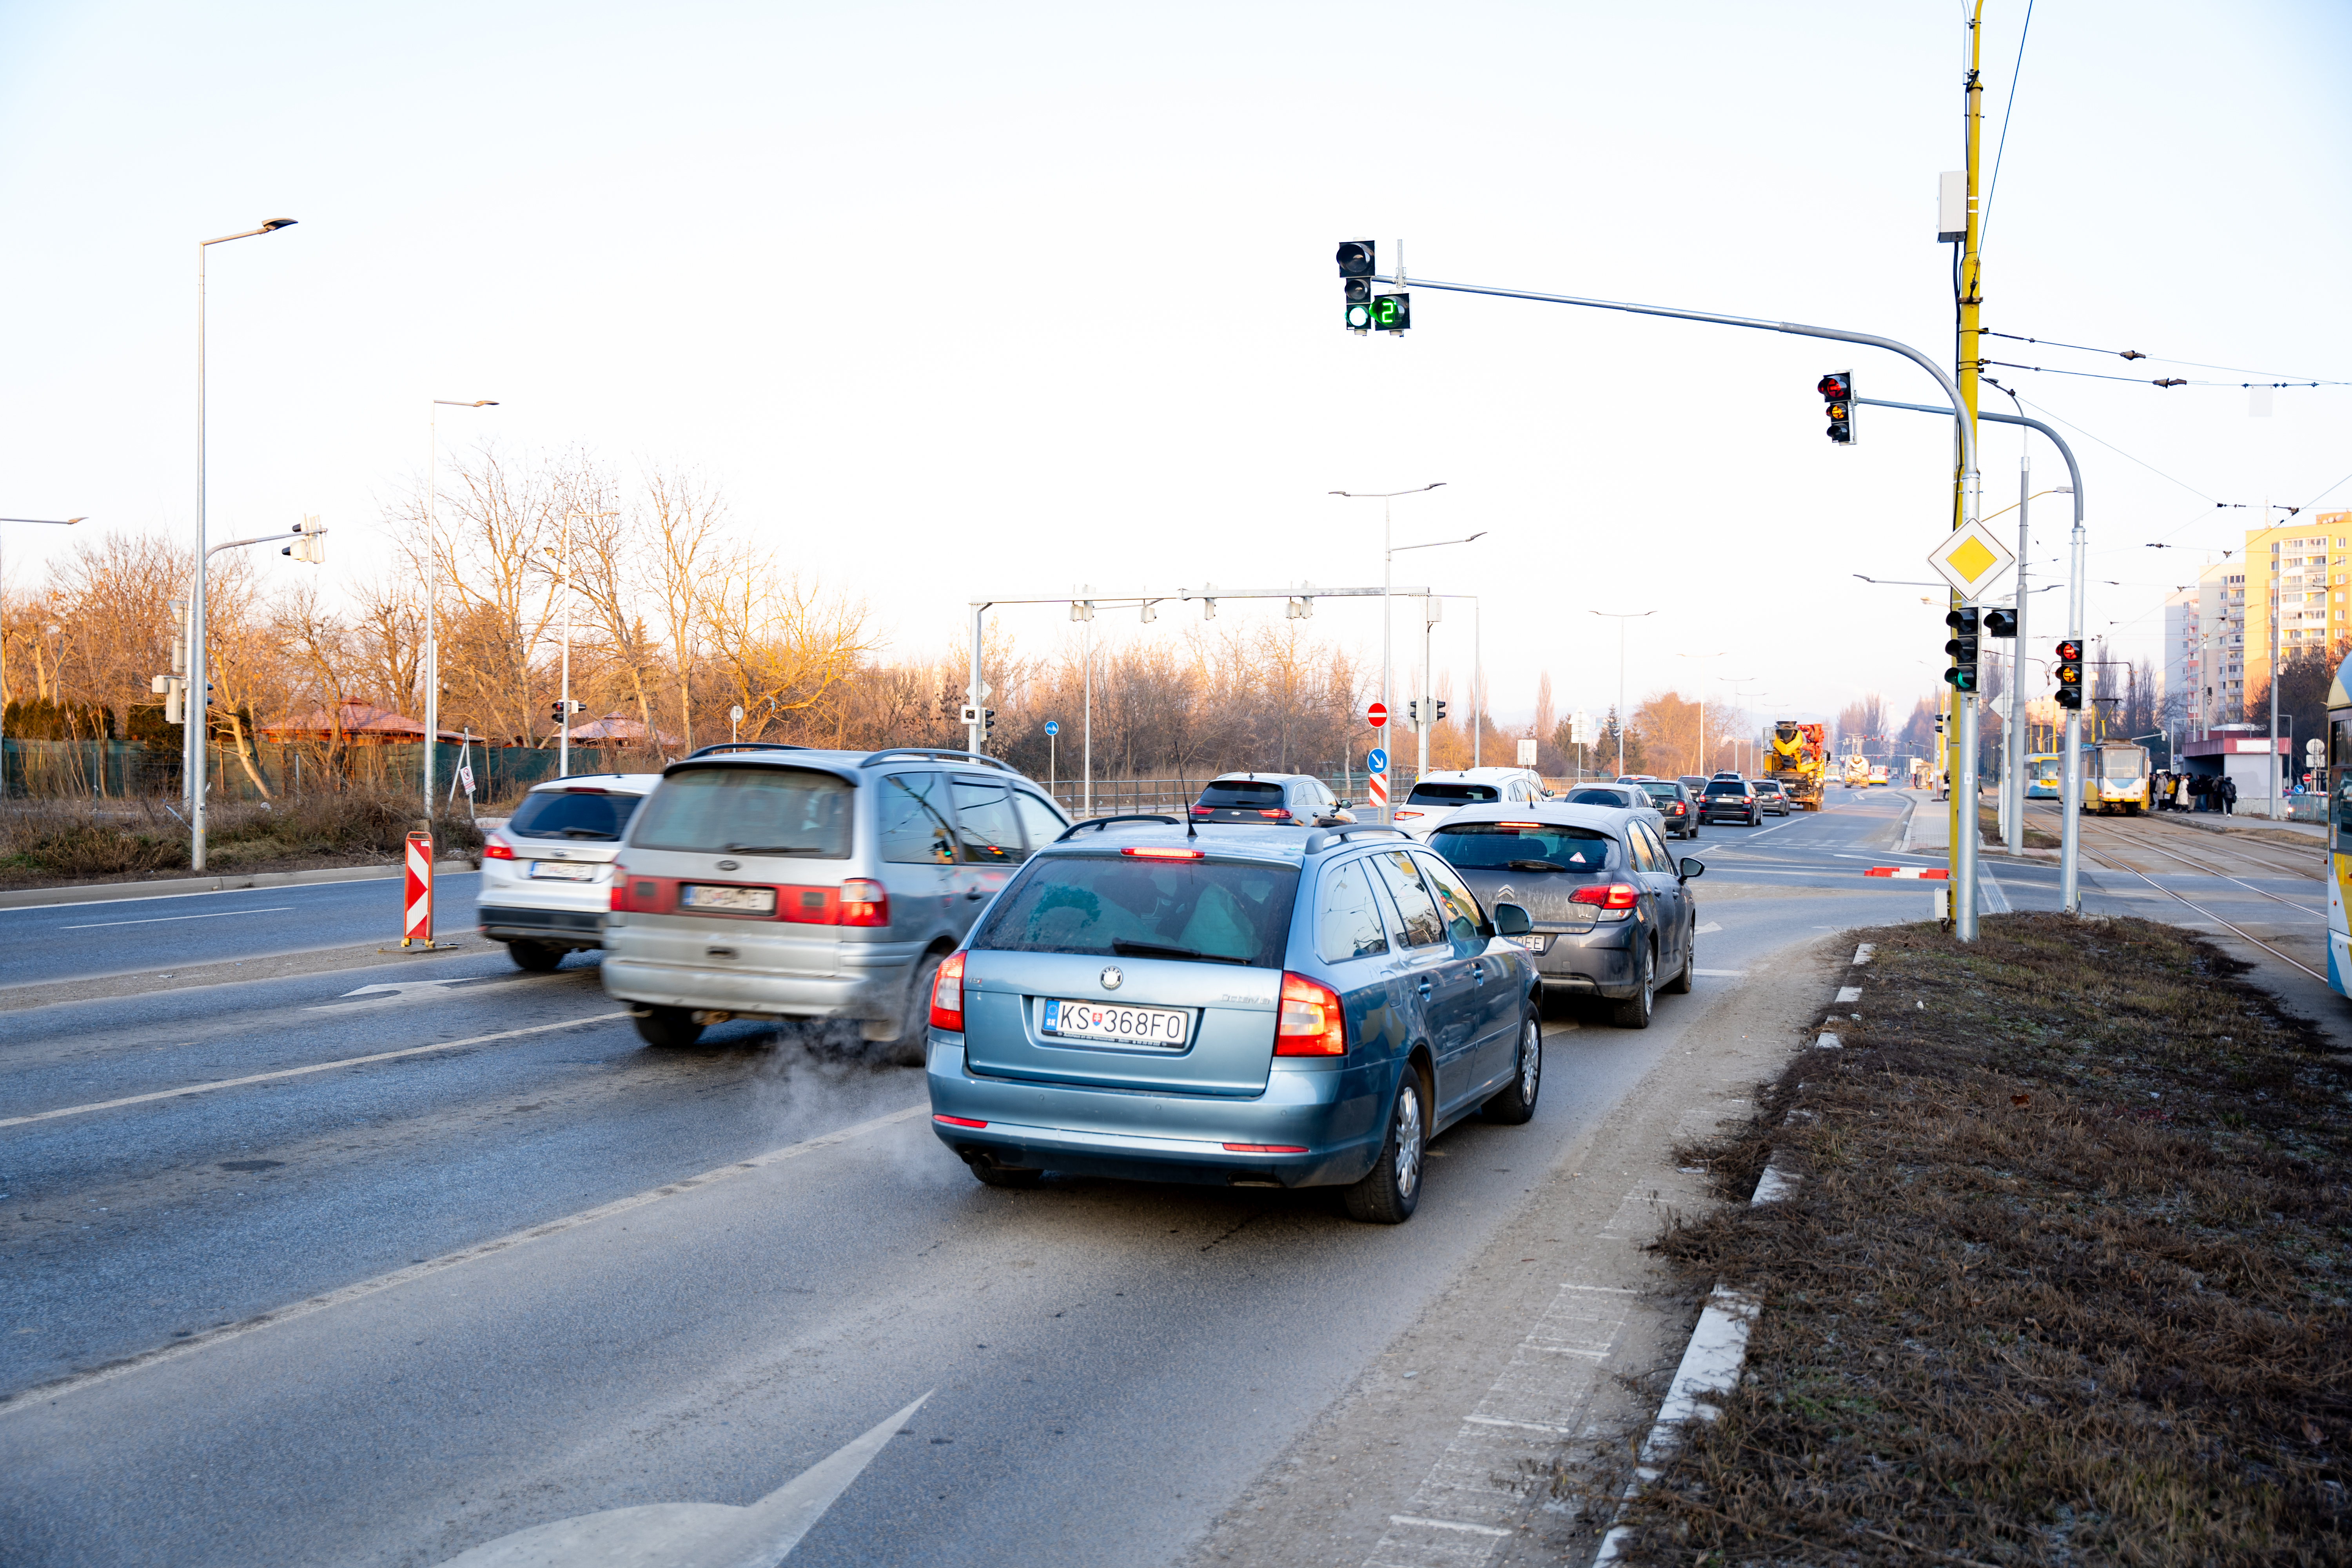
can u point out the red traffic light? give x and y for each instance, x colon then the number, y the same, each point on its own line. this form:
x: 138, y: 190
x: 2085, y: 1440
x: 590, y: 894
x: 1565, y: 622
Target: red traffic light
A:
x: 2070, y: 649
x: 1835, y: 386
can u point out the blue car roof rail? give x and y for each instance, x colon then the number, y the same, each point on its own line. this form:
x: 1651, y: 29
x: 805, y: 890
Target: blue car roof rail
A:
x: 927, y: 754
x: 1098, y: 823
x: 742, y: 746
x: 1323, y: 839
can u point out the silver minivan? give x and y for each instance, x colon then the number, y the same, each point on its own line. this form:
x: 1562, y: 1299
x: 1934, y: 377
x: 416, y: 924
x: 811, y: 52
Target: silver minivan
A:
x: 775, y: 881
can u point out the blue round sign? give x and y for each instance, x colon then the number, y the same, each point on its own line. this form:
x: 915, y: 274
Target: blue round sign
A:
x: 1053, y: 726
x: 1376, y: 760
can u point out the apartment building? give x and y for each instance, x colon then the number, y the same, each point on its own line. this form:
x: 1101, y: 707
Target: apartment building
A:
x: 2296, y: 586
x: 2213, y: 673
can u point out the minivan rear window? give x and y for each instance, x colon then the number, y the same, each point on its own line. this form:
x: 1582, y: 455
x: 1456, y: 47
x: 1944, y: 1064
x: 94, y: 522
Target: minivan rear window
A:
x: 1498, y: 846
x: 1455, y: 794
x: 1257, y: 793
x: 750, y: 811
x: 1116, y: 906
x: 578, y: 814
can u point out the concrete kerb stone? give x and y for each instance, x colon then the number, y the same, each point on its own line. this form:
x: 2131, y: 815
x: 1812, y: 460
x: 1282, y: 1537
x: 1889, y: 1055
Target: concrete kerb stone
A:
x: 1718, y: 1352
x: 104, y: 892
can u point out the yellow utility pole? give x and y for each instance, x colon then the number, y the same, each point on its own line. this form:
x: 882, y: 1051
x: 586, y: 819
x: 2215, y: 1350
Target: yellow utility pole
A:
x: 1964, y: 371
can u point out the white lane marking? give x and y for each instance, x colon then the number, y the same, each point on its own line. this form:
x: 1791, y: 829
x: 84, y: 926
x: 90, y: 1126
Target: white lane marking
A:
x: 396, y: 988
x: 439, y: 875
x: 186, y: 1090
x: 1721, y: 974
x: 696, y: 1534
x: 1849, y: 994
x: 160, y: 919
x: 1710, y: 928
x: 431, y: 1265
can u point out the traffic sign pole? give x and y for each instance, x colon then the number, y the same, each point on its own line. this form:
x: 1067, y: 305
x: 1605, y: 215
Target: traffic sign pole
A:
x: 1376, y: 764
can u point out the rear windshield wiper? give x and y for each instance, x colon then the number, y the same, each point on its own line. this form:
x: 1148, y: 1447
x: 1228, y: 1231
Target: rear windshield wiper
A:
x: 1126, y: 949
x: 585, y: 832
x: 771, y: 849
x: 1535, y: 866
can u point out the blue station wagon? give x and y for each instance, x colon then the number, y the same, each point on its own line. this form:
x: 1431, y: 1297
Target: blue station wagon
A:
x: 1272, y: 1006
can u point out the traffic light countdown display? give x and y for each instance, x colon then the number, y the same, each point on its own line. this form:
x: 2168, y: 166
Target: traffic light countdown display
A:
x: 2070, y: 674
x: 1963, y: 647
x: 1837, y: 401
x: 1367, y: 311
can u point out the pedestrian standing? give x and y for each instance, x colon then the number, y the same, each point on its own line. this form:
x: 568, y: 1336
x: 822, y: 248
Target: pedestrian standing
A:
x: 2228, y: 797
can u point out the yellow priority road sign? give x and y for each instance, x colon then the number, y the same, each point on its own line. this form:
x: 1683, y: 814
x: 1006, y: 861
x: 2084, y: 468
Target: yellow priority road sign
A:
x: 1971, y: 560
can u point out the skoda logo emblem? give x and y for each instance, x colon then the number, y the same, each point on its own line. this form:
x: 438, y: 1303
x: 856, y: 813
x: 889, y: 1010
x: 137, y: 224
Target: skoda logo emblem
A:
x: 728, y: 865
x: 1111, y: 977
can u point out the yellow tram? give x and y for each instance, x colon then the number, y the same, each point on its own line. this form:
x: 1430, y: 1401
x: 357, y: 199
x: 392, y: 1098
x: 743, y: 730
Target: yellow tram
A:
x: 2115, y: 777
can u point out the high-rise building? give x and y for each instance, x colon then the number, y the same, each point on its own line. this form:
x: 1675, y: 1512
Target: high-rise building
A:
x: 2214, y: 671
x: 2296, y: 572
x: 2180, y: 660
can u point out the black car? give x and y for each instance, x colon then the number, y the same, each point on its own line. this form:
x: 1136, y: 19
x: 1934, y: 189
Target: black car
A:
x: 1675, y: 803
x: 1610, y: 905
x: 1731, y: 798
x: 1271, y: 800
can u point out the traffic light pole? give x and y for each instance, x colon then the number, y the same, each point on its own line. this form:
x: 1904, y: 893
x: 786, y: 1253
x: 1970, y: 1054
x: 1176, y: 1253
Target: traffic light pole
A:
x: 1964, y: 878
x: 2070, y: 892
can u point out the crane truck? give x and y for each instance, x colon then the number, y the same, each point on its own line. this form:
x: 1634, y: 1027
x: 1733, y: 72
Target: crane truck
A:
x: 1800, y: 761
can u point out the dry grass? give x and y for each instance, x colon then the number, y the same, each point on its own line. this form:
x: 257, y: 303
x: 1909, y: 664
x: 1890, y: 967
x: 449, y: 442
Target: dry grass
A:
x: 1988, y: 824
x: 51, y: 841
x: 2066, y: 1279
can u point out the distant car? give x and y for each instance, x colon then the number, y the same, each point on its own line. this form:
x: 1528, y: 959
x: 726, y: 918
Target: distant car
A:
x: 546, y: 870
x: 1733, y: 797
x: 1726, y: 773
x: 1776, y: 799
x: 1438, y: 796
x: 1610, y: 907
x: 1285, y: 1006
x: 1261, y: 800
x: 1693, y: 783
x: 1675, y: 803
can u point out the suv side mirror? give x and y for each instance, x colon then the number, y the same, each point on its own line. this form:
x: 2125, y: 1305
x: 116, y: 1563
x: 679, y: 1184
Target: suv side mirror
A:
x: 1512, y: 920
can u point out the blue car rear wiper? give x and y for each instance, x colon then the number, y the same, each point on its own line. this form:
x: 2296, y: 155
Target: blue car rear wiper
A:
x: 1126, y: 949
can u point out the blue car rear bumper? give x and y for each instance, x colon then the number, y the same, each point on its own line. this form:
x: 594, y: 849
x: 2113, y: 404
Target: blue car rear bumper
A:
x: 1336, y: 1116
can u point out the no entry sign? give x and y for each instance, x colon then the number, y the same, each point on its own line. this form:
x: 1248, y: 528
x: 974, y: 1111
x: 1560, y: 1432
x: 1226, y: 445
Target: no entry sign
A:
x: 1377, y: 715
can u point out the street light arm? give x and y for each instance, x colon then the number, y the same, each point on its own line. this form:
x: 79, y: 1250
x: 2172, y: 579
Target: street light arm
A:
x: 265, y: 539
x: 52, y: 521
x: 1434, y: 543
x: 272, y: 227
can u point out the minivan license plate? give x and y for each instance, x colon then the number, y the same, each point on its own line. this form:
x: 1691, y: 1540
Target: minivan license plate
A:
x: 1162, y: 1027
x: 732, y: 900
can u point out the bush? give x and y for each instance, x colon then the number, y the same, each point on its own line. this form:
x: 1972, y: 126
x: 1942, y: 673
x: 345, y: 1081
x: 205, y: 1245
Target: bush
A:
x: 75, y: 839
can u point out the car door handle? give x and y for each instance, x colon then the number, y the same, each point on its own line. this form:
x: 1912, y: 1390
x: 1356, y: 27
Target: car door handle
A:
x: 1478, y: 972
x: 976, y: 893
x: 1424, y: 987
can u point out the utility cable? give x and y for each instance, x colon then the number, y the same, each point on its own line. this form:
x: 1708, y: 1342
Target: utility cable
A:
x: 2160, y: 359
x: 1984, y: 224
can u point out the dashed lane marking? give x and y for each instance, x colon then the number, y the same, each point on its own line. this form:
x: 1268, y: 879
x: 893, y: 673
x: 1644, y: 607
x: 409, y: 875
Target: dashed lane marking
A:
x: 162, y: 919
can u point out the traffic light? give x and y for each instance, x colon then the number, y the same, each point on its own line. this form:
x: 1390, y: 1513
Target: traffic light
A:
x: 1439, y: 717
x: 561, y: 711
x: 1412, y: 715
x: 1837, y: 401
x: 1356, y: 265
x: 987, y: 721
x: 312, y: 544
x: 1391, y: 313
x: 2070, y: 674
x: 2001, y: 623
x: 1963, y: 647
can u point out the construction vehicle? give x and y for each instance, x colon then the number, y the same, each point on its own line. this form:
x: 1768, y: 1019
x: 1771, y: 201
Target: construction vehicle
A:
x: 1857, y: 771
x: 1800, y: 761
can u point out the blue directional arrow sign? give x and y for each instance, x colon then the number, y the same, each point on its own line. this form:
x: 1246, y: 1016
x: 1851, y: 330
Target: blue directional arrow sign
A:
x: 1376, y: 760
x: 1053, y: 726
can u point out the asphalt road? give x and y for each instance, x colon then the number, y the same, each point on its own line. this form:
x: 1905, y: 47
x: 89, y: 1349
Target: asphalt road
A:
x: 115, y: 936
x: 398, y: 1338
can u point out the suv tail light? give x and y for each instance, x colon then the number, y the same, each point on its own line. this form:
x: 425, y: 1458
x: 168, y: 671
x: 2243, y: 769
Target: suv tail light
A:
x: 1310, y: 1023
x: 1275, y: 814
x: 1613, y: 896
x: 865, y: 903
x: 494, y: 849
x: 1204, y: 810
x: 946, y: 996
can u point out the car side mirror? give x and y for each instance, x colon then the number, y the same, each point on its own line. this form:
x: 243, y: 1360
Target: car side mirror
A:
x: 1690, y: 868
x: 1512, y: 920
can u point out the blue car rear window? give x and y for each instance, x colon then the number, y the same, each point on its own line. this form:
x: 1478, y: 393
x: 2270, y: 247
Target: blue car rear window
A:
x: 1494, y: 846
x: 1122, y: 906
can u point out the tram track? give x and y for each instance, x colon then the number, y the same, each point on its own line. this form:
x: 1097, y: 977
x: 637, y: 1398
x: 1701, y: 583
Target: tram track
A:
x: 2206, y: 868
x: 2239, y: 931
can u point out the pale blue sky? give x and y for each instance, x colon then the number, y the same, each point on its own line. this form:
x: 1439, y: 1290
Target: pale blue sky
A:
x: 952, y: 298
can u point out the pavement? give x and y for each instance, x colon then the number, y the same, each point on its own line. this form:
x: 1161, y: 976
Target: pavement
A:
x: 370, y: 1264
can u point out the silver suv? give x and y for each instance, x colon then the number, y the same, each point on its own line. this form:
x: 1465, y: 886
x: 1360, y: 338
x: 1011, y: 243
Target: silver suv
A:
x: 766, y: 881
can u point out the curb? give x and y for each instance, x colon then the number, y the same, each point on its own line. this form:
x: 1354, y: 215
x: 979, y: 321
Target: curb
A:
x: 104, y: 892
x: 1718, y: 1352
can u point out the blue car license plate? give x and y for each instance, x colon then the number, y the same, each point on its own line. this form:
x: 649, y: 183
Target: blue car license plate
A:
x: 1165, y: 1028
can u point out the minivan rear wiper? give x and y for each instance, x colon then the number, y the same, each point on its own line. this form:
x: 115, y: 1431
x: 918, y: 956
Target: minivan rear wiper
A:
x: 771, y: 849
x: 587, y: 833
x: 1535, y: 866
x: 1126, y: 949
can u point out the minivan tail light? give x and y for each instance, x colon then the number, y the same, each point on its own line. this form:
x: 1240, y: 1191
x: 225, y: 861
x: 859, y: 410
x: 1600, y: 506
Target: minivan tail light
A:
x: 946, y: 996
x: 1611, y: 896
x: 865, y: 903
x: 1311, y: 1023
x: 494, y: 850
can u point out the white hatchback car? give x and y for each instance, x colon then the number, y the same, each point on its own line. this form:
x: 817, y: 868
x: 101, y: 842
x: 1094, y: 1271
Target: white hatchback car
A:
x: 1438, y: 796
x: 547, y: 871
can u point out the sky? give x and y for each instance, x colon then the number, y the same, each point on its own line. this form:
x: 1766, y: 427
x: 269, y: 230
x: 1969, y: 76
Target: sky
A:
x: 959, y: 301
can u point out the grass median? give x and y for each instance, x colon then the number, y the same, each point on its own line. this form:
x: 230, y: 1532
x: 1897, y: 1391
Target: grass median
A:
x: 2066, y: 1278
x: 46, y: 842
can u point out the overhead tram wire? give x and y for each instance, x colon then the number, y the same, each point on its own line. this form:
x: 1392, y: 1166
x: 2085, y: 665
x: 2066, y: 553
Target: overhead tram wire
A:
x: 2157, y: 359
x: 2008, y: 112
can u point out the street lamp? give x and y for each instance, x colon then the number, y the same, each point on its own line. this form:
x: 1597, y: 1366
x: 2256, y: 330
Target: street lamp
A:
x: 1754, y: 756
x: 52, y: 522
x: 1621, y: 617
x: 433, y: 585
x: 1387, y: 698
x: 1719, y: 653
x: 564, y: 726
x: 199, y: 706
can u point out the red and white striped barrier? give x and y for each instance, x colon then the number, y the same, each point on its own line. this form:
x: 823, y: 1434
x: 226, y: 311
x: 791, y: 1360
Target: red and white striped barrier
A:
x: 1379, y: 790
x: 416, y: 895
x: 1929, y: 873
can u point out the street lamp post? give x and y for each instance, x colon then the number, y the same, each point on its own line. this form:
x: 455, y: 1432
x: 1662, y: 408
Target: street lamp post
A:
x: 1388, y: 698
x: 199, y: 704
x: 1720, y: 653
x: 433, y: 586
x: 52, y: 522
x: 1621, y: 617
x: 563, y: 728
